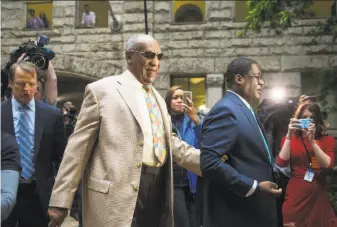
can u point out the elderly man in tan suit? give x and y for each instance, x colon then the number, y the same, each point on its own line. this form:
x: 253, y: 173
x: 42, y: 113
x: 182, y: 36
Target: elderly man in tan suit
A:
x: 123, y: 144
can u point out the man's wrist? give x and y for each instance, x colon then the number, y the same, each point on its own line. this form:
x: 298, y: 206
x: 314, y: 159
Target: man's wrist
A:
x: 258, y: 189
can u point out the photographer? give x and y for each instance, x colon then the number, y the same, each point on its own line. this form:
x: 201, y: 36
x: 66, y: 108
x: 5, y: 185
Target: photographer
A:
x: 70, y: 118
x: 35, y: 52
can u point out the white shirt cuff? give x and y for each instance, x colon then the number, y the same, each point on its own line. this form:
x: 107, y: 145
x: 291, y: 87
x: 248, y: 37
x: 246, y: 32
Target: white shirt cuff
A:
x: 252, y: 190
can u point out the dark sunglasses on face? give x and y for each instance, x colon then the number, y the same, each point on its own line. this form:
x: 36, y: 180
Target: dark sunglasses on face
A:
x: 148, y: 54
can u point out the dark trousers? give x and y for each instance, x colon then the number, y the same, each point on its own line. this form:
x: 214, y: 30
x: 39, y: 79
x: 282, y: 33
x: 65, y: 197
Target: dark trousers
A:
x: 151, y: 197
x: 28, y: 211
x: 184, y: 208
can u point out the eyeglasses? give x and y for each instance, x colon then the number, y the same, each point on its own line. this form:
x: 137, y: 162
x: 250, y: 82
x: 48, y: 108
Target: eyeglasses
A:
x: 149, y: 55
x: 258, y: 79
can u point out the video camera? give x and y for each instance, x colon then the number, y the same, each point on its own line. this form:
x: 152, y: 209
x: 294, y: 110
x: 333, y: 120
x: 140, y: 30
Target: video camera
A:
x: 34, y: 51
x: 70, y: 110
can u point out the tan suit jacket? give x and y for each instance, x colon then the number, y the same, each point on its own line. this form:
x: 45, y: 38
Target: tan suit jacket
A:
x: 107, y: 146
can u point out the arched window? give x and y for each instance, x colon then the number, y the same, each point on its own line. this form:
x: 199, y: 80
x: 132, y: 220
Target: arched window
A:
x: 188, y: 12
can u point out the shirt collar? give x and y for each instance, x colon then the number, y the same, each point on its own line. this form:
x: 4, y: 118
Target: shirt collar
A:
x: 16, y: 105
x: 135, y: 82
x: 242, y: 99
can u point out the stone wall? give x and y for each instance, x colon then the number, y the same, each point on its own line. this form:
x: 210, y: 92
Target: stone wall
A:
x: 204, y: 48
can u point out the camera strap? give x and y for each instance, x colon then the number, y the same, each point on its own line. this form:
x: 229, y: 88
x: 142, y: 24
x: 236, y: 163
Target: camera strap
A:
x: 307, y: 152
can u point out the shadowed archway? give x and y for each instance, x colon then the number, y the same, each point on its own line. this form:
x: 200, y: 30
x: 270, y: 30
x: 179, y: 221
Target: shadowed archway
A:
x: 71, y: 88
x: 188, y: 13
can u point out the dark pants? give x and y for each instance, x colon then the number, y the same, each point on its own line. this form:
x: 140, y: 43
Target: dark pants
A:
x: 28, y: 211
x: 184, y: 208
x: 151, y: 197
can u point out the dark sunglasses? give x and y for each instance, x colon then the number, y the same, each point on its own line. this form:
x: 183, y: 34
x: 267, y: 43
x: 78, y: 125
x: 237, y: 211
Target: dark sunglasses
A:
x: 149, y: 55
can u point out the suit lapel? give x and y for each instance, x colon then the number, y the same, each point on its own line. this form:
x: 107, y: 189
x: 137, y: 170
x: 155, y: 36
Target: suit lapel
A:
x: 134, y: 102
x: 253, y: 121
x: 39, y: 124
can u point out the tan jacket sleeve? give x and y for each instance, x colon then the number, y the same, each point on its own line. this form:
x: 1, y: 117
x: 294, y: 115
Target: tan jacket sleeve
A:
x: 186, y: 155
x: 77, y: 153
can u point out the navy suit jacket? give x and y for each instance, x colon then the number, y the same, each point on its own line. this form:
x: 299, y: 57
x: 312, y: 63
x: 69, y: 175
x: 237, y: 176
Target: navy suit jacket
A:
x: 230, y: 129
x: 49, y: 144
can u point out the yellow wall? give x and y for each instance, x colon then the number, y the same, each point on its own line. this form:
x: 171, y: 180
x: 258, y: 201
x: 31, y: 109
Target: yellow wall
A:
x: 41, y: 6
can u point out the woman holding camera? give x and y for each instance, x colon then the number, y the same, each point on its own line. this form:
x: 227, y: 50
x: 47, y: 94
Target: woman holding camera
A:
x: 308, y: 151
x: 187, y: 126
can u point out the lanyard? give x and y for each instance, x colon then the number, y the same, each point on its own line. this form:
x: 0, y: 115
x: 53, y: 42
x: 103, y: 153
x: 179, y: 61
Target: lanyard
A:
x: 307, y: 152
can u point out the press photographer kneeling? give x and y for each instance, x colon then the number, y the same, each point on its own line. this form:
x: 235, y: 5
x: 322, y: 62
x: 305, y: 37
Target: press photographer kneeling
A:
x: 35, y: 52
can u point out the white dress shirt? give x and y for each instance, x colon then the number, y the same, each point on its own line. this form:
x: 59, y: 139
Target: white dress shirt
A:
x: 88, y: 20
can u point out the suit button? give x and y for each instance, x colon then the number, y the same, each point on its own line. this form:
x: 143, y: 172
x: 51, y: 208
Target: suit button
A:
x: 139, y: 165
x: 141, y: 143
x: 134, y: 187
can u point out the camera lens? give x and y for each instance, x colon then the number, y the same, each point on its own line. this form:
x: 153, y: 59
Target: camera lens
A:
x: 39, y: 61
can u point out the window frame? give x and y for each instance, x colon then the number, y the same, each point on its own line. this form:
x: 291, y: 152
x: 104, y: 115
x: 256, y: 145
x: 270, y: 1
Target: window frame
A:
x: 173, y: 22
x: 78, y: 17
x: 189, y: 77
x: 26, y: 17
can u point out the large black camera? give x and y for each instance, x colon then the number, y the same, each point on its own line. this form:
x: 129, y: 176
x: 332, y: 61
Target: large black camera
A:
x: 35, y: 52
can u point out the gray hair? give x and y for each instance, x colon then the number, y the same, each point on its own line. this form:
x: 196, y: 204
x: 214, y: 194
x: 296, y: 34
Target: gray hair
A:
x: 25, y: 66
x: 134, y: 41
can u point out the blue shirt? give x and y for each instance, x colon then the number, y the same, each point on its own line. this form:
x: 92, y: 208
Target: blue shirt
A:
x: 31, y: 114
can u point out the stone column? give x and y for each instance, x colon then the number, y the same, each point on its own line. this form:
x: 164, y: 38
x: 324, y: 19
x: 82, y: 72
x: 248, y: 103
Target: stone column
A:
x: 214, y: 89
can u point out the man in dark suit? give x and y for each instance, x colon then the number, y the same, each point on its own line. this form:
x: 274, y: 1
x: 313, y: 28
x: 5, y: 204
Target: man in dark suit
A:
x: 39, y: 132
x: 235, y: 158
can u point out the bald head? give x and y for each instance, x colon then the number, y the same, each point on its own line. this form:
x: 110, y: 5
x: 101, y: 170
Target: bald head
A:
x: 138, y: 40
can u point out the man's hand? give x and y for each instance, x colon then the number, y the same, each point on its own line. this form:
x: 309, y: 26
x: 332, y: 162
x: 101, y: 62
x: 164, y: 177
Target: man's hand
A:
x: 57, y: 216
x: 268, y: 187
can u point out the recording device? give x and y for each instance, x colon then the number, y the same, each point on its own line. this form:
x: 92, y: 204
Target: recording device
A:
x: 70, y: 111
x: 69, y: 117
x: 305, y: 122
x: 34, y: 51
x: 187, y: 94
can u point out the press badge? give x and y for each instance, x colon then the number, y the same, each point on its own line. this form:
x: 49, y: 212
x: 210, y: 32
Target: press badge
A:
x: 309, y: 175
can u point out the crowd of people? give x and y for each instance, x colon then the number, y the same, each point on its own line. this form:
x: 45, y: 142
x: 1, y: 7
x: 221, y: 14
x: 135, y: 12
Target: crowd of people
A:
x: 135, y: 159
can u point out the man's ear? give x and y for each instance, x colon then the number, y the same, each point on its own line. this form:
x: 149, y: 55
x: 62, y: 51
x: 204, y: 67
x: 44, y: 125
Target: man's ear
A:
x: 238, y: 79
x: 10, y: 84
x: 128, y: 57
